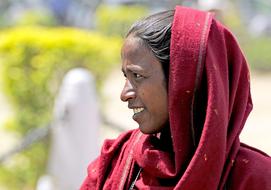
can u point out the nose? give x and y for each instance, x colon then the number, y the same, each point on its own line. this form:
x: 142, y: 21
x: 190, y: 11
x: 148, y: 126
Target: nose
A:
x: 128, y: 92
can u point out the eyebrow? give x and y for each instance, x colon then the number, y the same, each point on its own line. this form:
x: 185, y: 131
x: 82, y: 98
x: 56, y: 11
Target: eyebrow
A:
x: 135, y: 68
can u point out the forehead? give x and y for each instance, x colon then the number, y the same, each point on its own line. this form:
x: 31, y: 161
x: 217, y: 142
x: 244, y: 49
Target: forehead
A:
x: 133, y: 47
x: 137, y: 56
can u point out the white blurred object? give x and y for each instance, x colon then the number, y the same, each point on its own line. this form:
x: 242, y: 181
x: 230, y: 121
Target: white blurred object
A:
x: 45, y: 183
x: 258, y: 24
x: 211, y: 4
x: 75, y: 130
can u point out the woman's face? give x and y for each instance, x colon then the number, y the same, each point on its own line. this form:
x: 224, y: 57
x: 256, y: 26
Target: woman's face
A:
x: 145, y: 86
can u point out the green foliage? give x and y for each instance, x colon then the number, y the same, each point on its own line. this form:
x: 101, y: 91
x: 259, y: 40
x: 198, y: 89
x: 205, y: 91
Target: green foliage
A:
x: 36, y: 17
x: 22, y: 171
x: 116, y: 20
x: 28, y: 18
x: 257, y: 51
x: 35, y: 58
x: 33, y: 61
x: 256, y: 48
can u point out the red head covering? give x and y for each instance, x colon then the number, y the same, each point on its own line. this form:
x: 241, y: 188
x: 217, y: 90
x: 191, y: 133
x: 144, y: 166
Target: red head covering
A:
x: 209, y: 101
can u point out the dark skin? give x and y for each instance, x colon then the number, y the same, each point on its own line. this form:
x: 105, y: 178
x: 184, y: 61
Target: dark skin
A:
x: 145, y: 86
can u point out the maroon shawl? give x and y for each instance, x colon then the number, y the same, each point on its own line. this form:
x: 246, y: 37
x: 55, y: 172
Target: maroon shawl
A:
x: 209, y: 102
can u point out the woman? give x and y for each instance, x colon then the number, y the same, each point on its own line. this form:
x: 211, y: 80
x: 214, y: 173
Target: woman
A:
x: 188, y: 84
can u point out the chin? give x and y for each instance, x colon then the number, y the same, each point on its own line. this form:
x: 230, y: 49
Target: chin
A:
x: 146, y: 130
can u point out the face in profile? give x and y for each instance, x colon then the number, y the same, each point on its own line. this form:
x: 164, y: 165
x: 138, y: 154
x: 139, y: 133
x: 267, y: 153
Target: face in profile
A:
x: 145, y: 86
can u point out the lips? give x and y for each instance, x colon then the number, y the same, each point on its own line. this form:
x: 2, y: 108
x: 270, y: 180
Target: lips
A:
x: 138, y: 110
x: 138, y: 114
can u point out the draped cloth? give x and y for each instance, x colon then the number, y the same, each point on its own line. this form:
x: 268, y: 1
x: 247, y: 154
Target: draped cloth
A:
x: 209, y: 102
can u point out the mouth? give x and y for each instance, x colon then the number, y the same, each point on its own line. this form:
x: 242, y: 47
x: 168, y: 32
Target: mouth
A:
x: 138, y: 110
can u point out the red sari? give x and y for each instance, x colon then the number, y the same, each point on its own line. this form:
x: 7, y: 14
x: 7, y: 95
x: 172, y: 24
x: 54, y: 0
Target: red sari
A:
x: 209, y: 102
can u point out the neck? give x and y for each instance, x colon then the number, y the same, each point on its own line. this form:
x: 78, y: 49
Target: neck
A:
x: 164, y: 138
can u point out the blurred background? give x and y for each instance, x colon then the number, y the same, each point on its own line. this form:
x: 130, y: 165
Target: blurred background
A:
x: 58, y: 56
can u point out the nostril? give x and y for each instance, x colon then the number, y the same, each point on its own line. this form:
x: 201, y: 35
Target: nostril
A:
x: 122, y: 96
x: 127, y: 92
x: 127, y: 95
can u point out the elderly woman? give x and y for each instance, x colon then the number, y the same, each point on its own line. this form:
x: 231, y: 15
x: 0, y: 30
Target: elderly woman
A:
x: 188, y: 84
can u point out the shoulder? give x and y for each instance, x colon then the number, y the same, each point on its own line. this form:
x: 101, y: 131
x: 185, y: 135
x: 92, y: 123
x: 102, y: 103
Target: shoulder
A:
x: 112, y: 147
x: 115, y: 144
x: 253, y: 160
x: 251, y: 169
x: 109, y: 153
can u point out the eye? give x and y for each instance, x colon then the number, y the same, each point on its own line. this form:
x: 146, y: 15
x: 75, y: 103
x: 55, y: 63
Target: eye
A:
x: 137, y: 76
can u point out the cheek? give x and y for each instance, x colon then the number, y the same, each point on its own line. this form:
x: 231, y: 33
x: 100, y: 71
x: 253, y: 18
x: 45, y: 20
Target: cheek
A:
x: 156, y: 99
x: 162, y: 103
x: 153, y: 95
x: 163, y: 106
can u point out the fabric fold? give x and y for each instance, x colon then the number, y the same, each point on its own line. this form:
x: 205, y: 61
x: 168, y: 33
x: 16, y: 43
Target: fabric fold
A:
x: 209, y: 102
